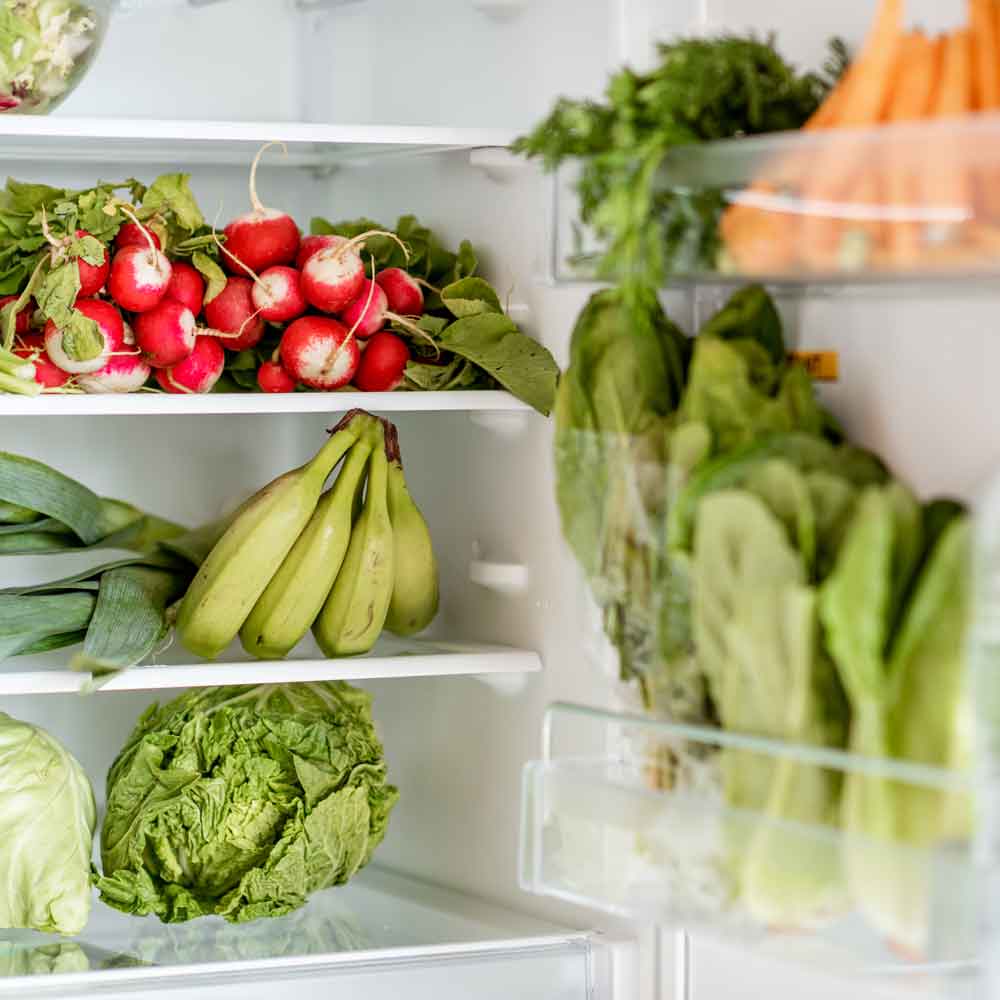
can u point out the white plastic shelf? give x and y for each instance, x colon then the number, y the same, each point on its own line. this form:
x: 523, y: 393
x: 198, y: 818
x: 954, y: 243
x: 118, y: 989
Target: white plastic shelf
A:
x: 176, y: 668
x: 156, y: 404
x: 383, y: 935
x: 128, y: 140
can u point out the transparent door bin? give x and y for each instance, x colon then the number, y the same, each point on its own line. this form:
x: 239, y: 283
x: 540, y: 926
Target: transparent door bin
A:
x: 687, y: 826
x: 900, y: 202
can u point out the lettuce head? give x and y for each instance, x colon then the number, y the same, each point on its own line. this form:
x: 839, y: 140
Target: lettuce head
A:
x: 241, y: 801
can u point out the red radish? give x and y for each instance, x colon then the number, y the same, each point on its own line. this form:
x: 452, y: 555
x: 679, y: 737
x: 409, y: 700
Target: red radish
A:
x: 383, y: 363
x: 272, y: 377
x: 196, y: 373
x: 367, y: 313
x: 23, y: 322
x: 277, y: 295
x: 313, y: 244
x: 132, y: 234
x: 186, y: 286
x: 139, y: 278
x: 92, y: 277
x: 232, y: 312
x: 334, y: 277
x: 166, y: 334
x: 47, y: 374
x: 403, y: 293
x: 110, y: 326
x: 319, y: 352
x: 122, y: 373
x: 264, y: 236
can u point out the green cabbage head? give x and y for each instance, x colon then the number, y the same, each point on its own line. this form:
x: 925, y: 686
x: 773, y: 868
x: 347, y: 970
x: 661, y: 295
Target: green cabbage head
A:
x: 241, y: 801
x: 47, y: 822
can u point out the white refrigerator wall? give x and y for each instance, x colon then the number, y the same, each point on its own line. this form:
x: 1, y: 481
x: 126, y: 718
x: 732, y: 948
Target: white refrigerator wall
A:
x: 916, y: 365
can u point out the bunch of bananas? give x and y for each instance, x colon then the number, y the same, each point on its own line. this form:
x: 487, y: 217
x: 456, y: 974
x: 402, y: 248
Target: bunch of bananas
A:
x: 347, y: 562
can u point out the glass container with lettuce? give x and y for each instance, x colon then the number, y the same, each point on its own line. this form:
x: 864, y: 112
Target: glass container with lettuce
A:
x: 757, y: 572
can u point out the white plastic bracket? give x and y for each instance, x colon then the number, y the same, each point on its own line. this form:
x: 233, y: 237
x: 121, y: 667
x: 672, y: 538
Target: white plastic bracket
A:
x: 502, y: 577
x: 502, y: 424
x: 498, y: 164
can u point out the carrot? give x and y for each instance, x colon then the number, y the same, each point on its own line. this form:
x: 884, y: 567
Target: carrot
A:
x: 871, y: 73
x: 914, y: 86
x: 954, y: 95
x: 912, y: 98
x: 945, y: 183
x: 986, y: 54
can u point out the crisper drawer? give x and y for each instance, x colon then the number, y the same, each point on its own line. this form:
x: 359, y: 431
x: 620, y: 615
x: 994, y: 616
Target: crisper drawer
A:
x: 382, y: 936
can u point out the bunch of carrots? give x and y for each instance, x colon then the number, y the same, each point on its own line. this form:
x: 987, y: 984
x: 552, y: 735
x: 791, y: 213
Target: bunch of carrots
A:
x: 868, y: 201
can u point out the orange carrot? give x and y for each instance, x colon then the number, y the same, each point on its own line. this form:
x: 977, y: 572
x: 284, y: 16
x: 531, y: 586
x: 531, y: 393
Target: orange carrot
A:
x: 945, y: 183
x: 986, y: 54
x: 871, y: 72
x: 915, y: 87
x: 954, y: 96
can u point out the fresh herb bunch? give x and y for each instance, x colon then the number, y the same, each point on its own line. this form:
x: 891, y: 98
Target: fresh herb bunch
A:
x: 703, y: 89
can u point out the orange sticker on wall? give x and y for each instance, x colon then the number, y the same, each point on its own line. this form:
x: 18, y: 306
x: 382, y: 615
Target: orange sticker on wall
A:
x: 824, y: 366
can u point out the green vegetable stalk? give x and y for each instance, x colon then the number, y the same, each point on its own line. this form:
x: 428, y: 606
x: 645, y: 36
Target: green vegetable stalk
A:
x: 896, y: 610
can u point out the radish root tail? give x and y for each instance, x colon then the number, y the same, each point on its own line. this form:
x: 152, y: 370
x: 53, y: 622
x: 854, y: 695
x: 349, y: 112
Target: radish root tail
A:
x: 125, y: 210
x: 334, y: 253
x: 411, y: 327
x: 256, y: 203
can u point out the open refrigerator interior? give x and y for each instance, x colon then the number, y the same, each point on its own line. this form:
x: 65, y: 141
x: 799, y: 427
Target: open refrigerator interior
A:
x: 506, y: 783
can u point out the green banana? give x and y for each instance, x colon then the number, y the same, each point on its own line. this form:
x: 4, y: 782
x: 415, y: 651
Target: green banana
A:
x: 295, y: 595
x: 415, y: 588
x: 355, y: 610
x: 239, y: 567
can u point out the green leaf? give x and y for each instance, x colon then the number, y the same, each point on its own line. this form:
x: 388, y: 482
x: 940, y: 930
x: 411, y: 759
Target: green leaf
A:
x: 172, y: 193
x: 90, y: 249
x: 470, y: 297
x: 56, y: 296
x: 457, y: 374
x: 215, y: 277
x: 466, y: 261
x: 521, y: 365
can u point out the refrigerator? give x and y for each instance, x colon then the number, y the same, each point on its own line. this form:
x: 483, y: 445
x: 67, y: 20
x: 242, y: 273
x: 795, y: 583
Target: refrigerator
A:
x: 530, y: 854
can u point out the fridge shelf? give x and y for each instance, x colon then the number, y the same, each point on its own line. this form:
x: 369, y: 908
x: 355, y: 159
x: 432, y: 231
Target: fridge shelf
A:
x: 841, y: 207
x: 215, y: 403
x: 175, y: 668
x: 383, y: 935
x: 138, y: 140
x: 651, y: 821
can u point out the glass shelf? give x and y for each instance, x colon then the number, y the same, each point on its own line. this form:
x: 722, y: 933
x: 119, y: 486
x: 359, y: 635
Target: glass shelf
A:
x: 158, y: 403
x: 46, y: 673
x: 635, y: 817
x: 383, y: 935
x: 900, y: 203
x: 138, y: 140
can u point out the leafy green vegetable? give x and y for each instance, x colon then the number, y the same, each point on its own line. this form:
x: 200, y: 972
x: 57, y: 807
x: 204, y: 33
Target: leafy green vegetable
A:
x: 470, y: 297
x: 757, y: 637
x: 909, y: 700
x: 241, y: 802
x: 47, y: 821
x: 215, y: 277
x: 492, y: 342
x: 703, y: 89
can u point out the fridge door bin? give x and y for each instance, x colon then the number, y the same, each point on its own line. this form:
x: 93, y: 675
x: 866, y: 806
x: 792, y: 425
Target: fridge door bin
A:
x: 659, y: 826
x: 794, y: 208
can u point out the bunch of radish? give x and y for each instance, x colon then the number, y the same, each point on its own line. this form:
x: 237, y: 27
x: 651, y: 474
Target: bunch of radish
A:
x: 154, y: 320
